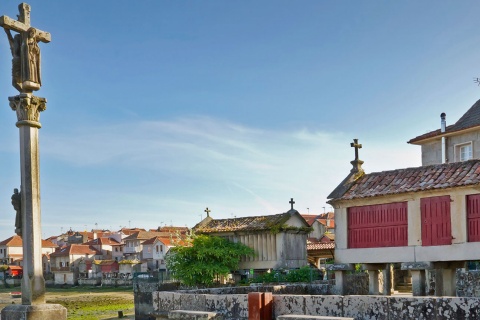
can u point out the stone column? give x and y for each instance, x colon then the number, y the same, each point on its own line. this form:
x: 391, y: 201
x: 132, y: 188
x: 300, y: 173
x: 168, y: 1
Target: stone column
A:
x: 33, y: 307
x: 28, y: 108
x: 387, y: 280
x: 445, y: 282
x: 340, y: 282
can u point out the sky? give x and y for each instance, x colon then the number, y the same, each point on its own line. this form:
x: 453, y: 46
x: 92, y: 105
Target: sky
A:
x: 159, y: 109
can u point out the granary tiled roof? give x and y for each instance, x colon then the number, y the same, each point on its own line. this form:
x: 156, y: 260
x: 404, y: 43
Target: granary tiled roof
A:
x: 257, y: 223
x: 469, y: 120
x: 314, y: 244
x: 433, y: 177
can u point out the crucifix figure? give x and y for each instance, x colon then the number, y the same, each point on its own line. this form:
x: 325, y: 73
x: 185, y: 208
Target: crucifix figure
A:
x: 26, y: 71
x: 207, y: 211
x: 357, y: 146
x: 291, y: 202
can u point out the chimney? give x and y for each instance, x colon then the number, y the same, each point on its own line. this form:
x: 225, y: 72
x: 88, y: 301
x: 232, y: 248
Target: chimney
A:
x: 443, y: 123
x: 443, y: 126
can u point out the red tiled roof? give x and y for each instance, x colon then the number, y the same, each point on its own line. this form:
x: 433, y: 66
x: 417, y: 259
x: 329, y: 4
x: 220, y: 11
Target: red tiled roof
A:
x: 16, y: 241
x: 469, y: 120
x: 434, y: 177
x: 13, y: 241
x: 314, y: 244
x: 75, y: 249
x: 103, y: 241
x: 145, y: 235
x: 310, y: 218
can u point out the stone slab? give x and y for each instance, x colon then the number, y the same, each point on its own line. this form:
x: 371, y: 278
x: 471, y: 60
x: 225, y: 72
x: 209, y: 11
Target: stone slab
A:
x: 288, y: 304
x: 412, y: 308
x: 366, y: 307
x: 306, y: 317
x: 34, y: 312
x: 236, y: 306
x: 324, y: 305
x: 163, y: 301
x: 193, y: 302
x: 453, y: 308
x: 193, y: 315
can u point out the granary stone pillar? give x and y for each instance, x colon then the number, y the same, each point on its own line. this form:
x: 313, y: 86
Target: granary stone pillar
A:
x: 418, y: 283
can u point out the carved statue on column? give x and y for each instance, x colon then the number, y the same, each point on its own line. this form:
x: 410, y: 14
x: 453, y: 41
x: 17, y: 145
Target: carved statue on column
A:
x: 17, y: 205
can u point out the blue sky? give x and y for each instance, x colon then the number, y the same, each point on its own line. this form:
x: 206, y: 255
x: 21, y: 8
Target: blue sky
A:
x: 158, y: 109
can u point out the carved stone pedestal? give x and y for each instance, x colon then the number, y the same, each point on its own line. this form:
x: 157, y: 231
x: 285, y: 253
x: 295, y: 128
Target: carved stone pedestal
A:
x: 37, y: 312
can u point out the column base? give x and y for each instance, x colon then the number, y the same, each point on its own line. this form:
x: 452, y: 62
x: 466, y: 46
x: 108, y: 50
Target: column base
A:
x: 34, y: 312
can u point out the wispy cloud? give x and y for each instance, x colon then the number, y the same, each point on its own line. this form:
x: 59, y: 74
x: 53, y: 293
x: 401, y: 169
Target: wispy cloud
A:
x: 202, y: 161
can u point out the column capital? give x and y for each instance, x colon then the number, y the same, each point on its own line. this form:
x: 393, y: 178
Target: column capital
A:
x: 28, y: 108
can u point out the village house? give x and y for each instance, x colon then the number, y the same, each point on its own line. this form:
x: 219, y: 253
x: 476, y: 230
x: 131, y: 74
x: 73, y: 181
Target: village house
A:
x: 419, y: 218
x: 279, y: 240
x: 111, y: 249
x: 154, y: 251
x: 65, y: 262
x: 11, y: 250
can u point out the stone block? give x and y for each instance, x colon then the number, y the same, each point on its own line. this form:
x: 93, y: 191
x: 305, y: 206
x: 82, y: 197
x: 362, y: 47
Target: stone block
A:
x: 324, y: 305
x: 288, y: 304
x: 216, y: 303
x: 193, y: 315
x: 366, y: 307
x: 163, y: 301
x: 412, y: 308
x: 193, y: 302
x: 453, y: 308
x: 37, y: 312
x: 237, y: 307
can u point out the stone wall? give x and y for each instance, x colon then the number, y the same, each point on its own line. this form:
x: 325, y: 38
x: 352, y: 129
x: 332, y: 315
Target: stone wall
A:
x: 235, y: 306
x: 468, y: 283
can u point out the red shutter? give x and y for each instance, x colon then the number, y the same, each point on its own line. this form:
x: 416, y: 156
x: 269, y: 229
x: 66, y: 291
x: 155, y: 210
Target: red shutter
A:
x: 473, y: 217
x: 436, y: 223
x: 383, y: 225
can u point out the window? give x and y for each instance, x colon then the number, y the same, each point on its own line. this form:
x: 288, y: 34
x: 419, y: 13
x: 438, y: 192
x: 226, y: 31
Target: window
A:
x: 473, y: 217
x: 464, y: 151
x: 436, y: 223
x: 161, y: 248
x: 157, y: 249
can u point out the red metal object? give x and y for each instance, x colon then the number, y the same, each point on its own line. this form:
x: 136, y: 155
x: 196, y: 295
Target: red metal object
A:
x: 436, y: 223
x: 374, y: 226
x: 254, y: 305
x: 267, y: 310
x: 473, y: 217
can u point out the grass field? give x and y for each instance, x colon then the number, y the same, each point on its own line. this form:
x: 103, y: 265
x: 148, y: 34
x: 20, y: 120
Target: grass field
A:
x: 85, y: 303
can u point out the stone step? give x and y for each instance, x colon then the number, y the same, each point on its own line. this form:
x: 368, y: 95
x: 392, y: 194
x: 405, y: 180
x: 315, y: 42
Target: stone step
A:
x: 193, y: 315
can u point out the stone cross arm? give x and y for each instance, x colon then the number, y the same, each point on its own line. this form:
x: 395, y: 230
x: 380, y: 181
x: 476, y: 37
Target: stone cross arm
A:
x: 10, y: 24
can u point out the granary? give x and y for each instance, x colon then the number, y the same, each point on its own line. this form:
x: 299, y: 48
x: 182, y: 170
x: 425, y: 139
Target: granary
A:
x: 421, y: 218
x: 279, y: 240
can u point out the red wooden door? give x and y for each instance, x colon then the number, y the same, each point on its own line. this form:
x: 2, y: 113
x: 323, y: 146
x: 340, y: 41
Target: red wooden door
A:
x: 473, y: 217
x: 383, y: 225
x: 436, y: 223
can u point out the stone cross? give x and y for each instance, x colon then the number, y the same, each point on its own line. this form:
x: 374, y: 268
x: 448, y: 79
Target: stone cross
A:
x: 208, y: 211
x: 26, y: 62
x: 357, y: 146
x: 291, y: 202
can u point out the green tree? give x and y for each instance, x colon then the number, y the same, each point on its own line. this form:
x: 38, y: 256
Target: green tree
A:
x: 202, y: 259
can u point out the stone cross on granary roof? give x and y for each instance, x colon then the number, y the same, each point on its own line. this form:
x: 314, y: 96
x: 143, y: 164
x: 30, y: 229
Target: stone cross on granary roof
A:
x: 25, y: 51
x: 357, y: 146
x: 291, y: 202
x: 207, y: 211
